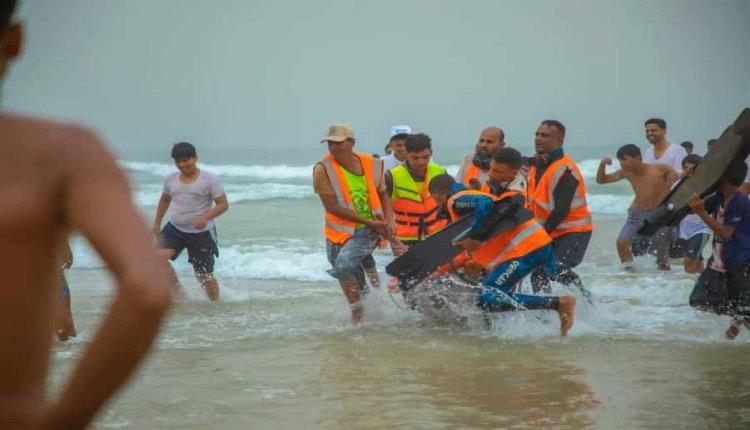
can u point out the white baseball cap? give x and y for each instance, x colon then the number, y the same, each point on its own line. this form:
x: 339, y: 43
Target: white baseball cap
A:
x: 400, y: 129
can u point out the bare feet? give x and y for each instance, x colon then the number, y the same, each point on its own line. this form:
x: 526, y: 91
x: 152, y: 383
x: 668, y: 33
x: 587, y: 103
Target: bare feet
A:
x: 733, y: 331
x: 734, y: 328
x: 212, y: 290
x: 210, y: 285
x: 358, y: 311
x: 566, y: 310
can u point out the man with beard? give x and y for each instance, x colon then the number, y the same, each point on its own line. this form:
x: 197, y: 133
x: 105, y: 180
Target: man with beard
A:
x: 661, y: 150
x: 669, y: 154
x: 557, y: 196
x: 475, y: 170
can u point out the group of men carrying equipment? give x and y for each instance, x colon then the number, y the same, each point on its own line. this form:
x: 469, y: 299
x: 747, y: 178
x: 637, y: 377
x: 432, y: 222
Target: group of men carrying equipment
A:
x: 547, y: 222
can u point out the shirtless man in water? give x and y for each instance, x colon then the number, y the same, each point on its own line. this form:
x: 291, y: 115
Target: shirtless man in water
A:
x: 57, y: 178
x: 650, y: 182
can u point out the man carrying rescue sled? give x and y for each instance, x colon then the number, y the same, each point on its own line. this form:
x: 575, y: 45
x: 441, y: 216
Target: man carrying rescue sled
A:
x: 507, y: 257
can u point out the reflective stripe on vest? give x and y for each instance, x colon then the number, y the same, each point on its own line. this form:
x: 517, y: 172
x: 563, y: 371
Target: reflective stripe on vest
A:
x: 339, y: 230
x: 529, y: 237
x: 415, y: 210
x: 515, y: 243
x: 541, y: 199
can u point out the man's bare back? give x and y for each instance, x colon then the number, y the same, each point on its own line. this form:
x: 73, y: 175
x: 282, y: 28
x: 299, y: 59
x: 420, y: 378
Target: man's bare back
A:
x: 651, y: 184
x: 57, y: 179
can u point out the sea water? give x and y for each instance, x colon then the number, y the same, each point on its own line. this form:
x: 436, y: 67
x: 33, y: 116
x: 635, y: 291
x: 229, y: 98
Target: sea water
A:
x: 278, y: 350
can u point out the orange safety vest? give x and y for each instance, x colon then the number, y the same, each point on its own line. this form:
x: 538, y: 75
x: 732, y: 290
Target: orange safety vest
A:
x: 470, y: 171
x: 521, y: 240
x: 339, y: 230
x: 541, y: 199
x: 415, y: 209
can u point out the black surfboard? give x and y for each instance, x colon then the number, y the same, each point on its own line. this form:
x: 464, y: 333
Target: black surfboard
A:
x: 734, y: 144
x: 423, y: 258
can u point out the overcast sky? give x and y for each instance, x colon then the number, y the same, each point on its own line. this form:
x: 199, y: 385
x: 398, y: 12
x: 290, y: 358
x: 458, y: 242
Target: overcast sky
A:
x: 255, y: 81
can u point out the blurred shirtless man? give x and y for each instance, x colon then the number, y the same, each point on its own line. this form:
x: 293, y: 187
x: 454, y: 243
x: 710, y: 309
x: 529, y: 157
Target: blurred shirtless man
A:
x: 57, y: 178
x: 650, y: 182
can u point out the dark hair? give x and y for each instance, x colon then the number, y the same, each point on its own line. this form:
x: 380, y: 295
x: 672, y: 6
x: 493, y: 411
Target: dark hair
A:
x: 400, y: 136
x: 418, y: 142
x: 711, y: 142
x: 737, y: 173
x: 508, y: 156
x: 687, y: 144
x: 628, y: 150
x: 440, y: 184
x: 555, y: 123
x: 693, y: 159
x: 183, y: 150
x: 658, y: 121
x: 7, y: 7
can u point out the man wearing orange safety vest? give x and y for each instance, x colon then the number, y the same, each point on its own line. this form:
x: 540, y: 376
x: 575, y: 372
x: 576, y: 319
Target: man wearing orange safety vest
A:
x: 475, y: 170
x: 357, y: 210
x: 557, y: 196
x: 509, y: 256
x: 415, y: 211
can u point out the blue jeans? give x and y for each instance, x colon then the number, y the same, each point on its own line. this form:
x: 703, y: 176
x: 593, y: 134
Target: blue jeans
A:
x: 346, y: 260
x: 498, y: 292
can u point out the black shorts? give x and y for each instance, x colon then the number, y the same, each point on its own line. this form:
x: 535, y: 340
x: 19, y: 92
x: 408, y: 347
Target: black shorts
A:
x: 201, y: 247
x: 723, y: 292
x: 694, y: 246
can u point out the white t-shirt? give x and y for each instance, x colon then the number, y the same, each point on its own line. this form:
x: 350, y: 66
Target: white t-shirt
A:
x: 390, y: 161
x: 691, y: 225
x: 189, y: 201
x: 672, y: 157
x: 747, y: 178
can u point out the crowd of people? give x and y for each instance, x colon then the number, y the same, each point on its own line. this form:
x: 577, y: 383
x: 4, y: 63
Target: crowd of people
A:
x: 400, y: 199
x: 405, y: 198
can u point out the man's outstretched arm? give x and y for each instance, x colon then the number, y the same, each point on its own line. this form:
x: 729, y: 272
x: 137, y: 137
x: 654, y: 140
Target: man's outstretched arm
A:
x: 97, y: 203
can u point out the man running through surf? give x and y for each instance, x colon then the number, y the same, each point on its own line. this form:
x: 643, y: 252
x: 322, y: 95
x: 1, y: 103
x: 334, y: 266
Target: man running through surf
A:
x: 507, y: 257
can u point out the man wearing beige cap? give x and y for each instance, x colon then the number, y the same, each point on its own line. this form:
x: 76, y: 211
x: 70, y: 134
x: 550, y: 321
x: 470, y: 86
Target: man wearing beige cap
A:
x: 357, y: 210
